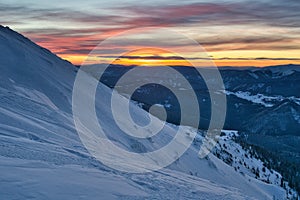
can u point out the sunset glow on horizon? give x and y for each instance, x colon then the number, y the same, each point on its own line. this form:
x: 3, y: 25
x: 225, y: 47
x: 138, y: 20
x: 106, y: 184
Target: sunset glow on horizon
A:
x: 233, y: 33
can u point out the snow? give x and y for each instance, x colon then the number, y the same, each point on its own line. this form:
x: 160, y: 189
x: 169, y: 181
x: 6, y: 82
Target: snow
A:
x: 40, y: 180
x: 295, y: 115
x: 35, y: 95
x: 266, y: 101
x: 246, y: 163
x: 280, y: 70
x: 42, y: 156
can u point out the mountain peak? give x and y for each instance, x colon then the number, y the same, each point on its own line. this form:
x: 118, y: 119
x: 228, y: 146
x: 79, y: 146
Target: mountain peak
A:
x: 20, y: 40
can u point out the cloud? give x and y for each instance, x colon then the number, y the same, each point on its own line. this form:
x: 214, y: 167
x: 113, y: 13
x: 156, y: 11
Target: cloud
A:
x: 152, y: 57
x: 259, y: 39
x: 195, y: 58
x: 274, y: 13
x: 69, y: 31
x: 21, y: 12
x: 259, y: 58
x: 248, y: 42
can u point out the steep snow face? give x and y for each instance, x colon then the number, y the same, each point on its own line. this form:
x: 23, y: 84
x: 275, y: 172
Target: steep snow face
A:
x: 31, y: 67
x: 42, y: 156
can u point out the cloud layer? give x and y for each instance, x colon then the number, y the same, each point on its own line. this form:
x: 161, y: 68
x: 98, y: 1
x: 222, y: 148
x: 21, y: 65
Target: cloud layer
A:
x: 217, y: 25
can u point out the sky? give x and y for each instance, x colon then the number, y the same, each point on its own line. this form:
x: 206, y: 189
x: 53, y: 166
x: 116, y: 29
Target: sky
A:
x: 233, y: 33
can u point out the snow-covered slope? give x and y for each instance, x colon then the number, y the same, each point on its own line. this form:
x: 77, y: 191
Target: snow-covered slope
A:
x: 42, y: 156
x: 266, y: 101
x: 247, y: 162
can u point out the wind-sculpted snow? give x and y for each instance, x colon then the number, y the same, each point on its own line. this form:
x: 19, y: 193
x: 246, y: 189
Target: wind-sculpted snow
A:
x: 42, y: 157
